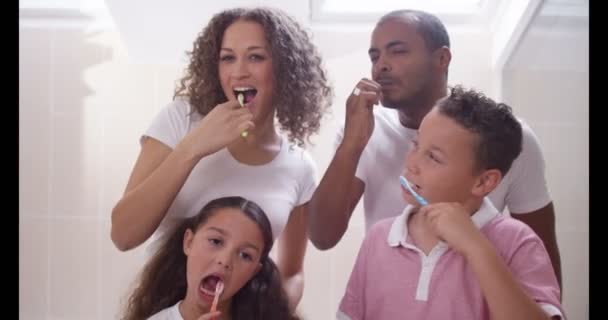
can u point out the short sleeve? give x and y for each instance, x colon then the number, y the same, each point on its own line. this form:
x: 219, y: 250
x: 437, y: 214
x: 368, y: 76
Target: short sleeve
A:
x: 352, y: 305
x: 528, y: 188
x: 531, y: 266
x: 308, y: 183
x: 170, y: 125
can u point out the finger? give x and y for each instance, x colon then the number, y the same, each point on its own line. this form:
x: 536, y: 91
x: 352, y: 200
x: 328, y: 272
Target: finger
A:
x: 246, y: 126
x: 230, y: 104
x: 240, y: 113
x: 210, y: 316
x: 367, y: 83
x: 370, y: 97
x: 362, y: 87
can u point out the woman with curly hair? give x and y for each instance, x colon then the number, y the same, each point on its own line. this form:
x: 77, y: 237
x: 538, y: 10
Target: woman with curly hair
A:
x: 205, y: 144
x: 226, y: 245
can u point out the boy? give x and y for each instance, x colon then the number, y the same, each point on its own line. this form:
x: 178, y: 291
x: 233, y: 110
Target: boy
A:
x: 457, y: 257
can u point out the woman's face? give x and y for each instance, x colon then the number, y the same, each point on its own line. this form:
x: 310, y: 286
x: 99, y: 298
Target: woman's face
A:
x: 226, y: 248
x: 245, y: 66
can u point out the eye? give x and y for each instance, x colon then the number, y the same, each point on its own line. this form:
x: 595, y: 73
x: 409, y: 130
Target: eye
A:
x: 215, y: 242
x: 257, y: 57
x: 226, y: 58
x: 434, y: 158
x: 398, y: 50
x: 246, y: 256
x: 373, y: 58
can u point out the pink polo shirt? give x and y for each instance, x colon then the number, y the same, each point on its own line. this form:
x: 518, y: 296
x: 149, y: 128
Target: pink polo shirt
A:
x: 393, y: 279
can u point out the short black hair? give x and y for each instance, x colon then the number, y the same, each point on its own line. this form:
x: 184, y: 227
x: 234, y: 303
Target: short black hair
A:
x: 499, y: 132
x: 428, y: 26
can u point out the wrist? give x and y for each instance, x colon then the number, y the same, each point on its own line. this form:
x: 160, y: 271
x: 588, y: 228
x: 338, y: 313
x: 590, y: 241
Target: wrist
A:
x: 186, y: 154
x: 477, y: 246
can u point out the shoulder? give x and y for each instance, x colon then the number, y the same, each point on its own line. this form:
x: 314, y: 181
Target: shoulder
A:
x: 180, y: 107
x: 504, y: 230
x: 378, y: 232
x: 297, y: 156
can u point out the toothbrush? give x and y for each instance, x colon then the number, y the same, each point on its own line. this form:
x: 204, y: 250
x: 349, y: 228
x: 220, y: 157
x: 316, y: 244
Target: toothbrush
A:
x: 241, y: 99
x: 418, y: 198
x: 218, y: 290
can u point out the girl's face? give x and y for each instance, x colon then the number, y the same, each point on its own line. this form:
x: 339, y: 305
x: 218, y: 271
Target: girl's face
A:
x: 226, y: 248
x: 246, y: 66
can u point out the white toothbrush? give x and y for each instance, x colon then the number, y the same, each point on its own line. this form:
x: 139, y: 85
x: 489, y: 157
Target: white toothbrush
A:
x: 418, y: 198
x: 241, y: 99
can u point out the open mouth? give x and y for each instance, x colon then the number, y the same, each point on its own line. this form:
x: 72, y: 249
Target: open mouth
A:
x: 248, y: 93
x: 209, y: 283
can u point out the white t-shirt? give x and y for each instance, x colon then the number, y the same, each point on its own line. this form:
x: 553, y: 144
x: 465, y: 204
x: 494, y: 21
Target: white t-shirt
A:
x: 523, y: 189
x: 170, y: 313
x: 287, y: 181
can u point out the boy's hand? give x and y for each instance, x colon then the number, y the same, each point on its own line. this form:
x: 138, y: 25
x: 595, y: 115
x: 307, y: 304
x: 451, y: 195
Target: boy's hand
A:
x: 452, y: 223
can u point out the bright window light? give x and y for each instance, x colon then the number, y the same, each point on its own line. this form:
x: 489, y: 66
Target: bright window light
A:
x: 366, y: 6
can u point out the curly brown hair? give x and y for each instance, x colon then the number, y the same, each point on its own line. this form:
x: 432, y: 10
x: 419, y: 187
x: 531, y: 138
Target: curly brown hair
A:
x: 302, y: 93
x: 162, y: 282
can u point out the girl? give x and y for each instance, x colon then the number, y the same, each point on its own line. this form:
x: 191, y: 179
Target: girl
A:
x: 227, y: 242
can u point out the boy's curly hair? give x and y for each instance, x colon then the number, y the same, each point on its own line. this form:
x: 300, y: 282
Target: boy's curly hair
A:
x: 302, y: 93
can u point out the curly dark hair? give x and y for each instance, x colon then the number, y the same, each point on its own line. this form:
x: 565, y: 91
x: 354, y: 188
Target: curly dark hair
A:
x: 499, y: 132
x: 302, y: 93
x: 162, y: 283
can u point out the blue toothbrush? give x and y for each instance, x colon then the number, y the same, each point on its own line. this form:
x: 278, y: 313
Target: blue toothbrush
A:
x: 418, y: 198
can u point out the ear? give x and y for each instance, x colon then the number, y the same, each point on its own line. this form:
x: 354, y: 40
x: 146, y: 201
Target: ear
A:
x: 444, y: 56
x: 258, y: 268
x: 486, y: 182
x: 188, y: 237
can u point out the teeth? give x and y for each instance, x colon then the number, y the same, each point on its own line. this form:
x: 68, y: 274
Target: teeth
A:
x: 211, y: 293
x: 243, y: 88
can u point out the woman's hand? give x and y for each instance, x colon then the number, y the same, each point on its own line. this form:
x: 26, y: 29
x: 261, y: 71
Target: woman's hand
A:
x: 217, y: 129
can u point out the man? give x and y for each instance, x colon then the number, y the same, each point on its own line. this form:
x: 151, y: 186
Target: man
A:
x: 410, y: 57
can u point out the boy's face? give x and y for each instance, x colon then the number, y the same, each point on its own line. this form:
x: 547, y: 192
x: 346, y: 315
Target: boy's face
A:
x: 440, y: 164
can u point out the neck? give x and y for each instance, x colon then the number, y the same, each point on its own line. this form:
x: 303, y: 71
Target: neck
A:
x: 411, y: 114
x: 192, y: 311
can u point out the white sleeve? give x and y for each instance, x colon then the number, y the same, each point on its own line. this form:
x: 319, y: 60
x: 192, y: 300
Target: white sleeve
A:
x: 170, y: 125
x: 527, y: 188
x: 339, y: 136
x: 308, y: 182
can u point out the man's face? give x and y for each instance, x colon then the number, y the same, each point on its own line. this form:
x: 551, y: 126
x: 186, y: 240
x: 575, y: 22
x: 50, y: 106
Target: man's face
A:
x: 401, y: 63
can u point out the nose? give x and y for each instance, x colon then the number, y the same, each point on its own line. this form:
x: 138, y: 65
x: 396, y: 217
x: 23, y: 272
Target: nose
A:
x: 241, y: 69
x: 381, y: 66
x: 224, y: 260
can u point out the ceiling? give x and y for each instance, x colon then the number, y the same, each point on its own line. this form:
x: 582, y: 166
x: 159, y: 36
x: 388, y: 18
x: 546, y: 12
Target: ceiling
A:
x: 160, y: 31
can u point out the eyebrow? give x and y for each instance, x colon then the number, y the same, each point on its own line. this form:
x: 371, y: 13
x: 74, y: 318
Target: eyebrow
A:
x: 225, y: 233
x: 388, y: 46
x: 250, y: 48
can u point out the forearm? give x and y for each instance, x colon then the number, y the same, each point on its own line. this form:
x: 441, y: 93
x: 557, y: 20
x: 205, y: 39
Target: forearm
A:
x: 505, y: 297
x: 553, y: 251
x: 294, y: 288
x: 330, y: 208
x: 141, y: 210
